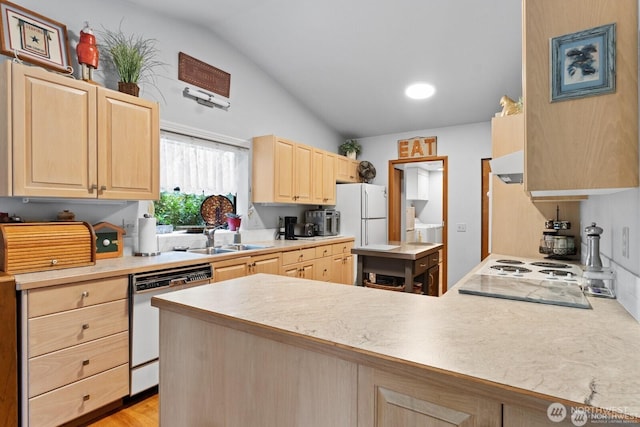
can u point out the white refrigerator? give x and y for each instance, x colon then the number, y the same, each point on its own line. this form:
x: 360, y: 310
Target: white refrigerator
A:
x: 363, y: 212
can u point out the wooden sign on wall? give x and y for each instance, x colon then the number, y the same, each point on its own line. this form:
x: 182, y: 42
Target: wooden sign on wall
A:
x: 203, y: 75
x: 418, y: 147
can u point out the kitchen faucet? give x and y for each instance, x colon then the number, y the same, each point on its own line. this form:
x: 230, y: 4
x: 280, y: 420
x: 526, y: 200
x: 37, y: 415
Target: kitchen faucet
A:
x: 210, y: 233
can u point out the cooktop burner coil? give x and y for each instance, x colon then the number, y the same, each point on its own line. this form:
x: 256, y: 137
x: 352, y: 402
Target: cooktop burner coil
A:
x: 510, y: 261
x: 510, y: 268
x: 550, y: 264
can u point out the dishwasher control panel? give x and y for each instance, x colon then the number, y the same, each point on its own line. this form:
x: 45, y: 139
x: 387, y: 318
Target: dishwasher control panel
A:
x: 147, y: 281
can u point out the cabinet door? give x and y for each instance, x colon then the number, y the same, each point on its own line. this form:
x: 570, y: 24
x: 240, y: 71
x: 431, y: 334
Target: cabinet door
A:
x: 284, y: 171
x: 324, y: 267
x: 54, y: 135
x: 328, y: 179
x: 342, y: 269
x: 230, y: 269
x: 269, y: 264
x: 128, y: 147
x: 303, y: 173
x: 317, y: 171
x: 346, y: 169
x: 386, y: 400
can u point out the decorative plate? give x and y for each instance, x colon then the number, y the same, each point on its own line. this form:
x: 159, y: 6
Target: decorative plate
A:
x: 214, y: 210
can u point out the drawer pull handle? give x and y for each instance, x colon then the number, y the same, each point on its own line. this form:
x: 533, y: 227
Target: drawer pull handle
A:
x: 85, y: 362
x: 86, y: 397
x: 85, y: 294
x: 85, y: 326
x: 423, y: 265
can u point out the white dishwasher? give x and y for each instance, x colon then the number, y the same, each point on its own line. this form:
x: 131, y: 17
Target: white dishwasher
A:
x: 144, y: 319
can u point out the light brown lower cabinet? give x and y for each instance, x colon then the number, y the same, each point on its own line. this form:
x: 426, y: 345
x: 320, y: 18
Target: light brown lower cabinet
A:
x: 219, y: 375
x: 389, y: 400
x: 75, y: 349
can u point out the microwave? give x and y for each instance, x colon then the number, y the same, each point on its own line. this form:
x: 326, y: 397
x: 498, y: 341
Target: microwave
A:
x: 326, y: 221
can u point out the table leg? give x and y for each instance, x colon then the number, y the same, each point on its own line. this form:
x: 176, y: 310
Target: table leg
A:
x: 359, y: 272
x: 408, y: 276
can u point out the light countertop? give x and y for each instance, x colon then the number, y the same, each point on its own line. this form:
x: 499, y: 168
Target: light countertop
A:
x: 399, y: 250
x: 134, y: 264
x: 576, y: 355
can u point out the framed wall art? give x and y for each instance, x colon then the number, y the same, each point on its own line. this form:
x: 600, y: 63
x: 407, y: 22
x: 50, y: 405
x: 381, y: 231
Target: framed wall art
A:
x: 33, y: 38
x: 583, y: 63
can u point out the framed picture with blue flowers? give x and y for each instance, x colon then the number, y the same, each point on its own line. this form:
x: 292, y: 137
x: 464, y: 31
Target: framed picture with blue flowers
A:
x: 583, y: 63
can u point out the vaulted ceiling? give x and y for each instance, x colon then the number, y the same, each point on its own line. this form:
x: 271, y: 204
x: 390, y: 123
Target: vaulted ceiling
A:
x: 349, y: 61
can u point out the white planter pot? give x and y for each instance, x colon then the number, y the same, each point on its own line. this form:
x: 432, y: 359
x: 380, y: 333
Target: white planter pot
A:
x: 351, y: 155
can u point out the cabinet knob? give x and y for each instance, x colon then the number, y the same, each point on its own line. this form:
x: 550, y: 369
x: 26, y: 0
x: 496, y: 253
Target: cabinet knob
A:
x: 85, y: 294
x: 93, y: 187
x: 85, y: 326
x: 54, y: 261
x: 86, y: 397
x: 85, y: 362
x: 103, y: 187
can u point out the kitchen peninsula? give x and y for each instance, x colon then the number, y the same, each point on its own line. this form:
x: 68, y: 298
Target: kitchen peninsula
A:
x: 271, y: 350
x: 407, y: 261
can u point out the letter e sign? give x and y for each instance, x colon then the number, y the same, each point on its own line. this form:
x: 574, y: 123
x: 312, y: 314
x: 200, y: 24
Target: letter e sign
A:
x: 418, y: 147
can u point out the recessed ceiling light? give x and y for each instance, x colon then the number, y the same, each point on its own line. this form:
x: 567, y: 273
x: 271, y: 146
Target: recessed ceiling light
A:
x: 419, y: 91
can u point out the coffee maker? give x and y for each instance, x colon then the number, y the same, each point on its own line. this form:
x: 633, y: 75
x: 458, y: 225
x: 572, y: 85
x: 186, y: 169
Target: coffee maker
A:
x: 289, y: 227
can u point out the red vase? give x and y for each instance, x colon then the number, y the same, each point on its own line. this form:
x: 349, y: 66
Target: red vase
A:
x: 234, y: 223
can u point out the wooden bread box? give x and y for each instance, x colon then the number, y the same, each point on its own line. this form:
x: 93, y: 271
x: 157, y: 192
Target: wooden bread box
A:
x: 38, y: 246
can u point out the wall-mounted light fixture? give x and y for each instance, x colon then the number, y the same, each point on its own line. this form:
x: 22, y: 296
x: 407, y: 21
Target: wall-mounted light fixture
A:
x: 205, y: 98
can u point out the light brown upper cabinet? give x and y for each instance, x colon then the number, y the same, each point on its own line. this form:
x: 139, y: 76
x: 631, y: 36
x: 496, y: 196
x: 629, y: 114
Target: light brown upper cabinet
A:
x: 586, y: 145
x: 324, y: 183
x: 285, y: 171
x: 346, y: 170
x: 69, y: 138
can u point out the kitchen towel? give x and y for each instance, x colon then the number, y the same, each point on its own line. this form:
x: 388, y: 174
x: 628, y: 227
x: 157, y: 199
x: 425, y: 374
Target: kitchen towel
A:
x: 147, y: 240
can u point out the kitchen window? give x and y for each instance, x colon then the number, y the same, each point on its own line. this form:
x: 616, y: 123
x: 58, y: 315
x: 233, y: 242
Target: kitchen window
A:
x: 200, y: 166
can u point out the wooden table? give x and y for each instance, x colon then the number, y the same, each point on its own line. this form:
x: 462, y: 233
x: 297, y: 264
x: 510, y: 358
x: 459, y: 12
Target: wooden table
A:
x: 400, y: 259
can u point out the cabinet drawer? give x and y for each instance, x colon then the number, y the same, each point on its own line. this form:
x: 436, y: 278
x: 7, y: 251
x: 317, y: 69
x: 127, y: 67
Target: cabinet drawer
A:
x: 72, y: 401
x: 300, y: 255
x: 324, y: 250
x: 421, y: 265
x: 83, y: 294
x: 65, y: 366
x: 60, y: 330
x: 342, y: 248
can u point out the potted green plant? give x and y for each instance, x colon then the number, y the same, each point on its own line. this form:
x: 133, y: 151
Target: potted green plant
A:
x: 350, y: 148
x: 133, y: 57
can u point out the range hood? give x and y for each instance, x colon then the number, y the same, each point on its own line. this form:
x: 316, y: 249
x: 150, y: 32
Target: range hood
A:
x: 509, y: 168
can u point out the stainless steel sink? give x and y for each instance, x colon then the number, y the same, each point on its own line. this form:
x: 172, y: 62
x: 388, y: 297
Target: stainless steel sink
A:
x: 227, y: 249
x: 211, y: 251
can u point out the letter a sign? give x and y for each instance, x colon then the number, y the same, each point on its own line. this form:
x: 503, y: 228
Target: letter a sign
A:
x: 418, y: 147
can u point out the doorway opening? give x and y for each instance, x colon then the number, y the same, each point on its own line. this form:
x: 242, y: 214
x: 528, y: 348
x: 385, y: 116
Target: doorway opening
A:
x: 408, y: 203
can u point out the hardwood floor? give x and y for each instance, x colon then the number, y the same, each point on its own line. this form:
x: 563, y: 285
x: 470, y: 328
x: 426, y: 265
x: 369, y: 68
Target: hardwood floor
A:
x: 138, y: 413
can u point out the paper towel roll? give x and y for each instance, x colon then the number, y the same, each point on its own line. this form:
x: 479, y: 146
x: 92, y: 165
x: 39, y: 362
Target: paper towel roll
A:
x: 147, y: 241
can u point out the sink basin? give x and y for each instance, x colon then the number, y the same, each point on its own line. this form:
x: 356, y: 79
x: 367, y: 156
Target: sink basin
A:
x: 227, y: 249
x: 212, y: 251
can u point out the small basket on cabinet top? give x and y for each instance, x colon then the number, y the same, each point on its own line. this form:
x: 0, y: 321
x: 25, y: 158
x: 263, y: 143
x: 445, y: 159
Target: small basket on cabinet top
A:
x: 39, y: 246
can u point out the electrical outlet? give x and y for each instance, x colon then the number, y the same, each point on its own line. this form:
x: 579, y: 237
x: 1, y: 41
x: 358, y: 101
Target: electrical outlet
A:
x: 625, y: 242
x: 461, y: 227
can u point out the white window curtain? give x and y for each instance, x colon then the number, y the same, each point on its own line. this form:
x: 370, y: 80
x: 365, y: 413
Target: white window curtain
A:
x: 200, y: 166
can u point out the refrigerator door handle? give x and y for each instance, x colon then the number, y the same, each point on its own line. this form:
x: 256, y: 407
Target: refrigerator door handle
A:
x: 366, y: 233
x: 366, y: 204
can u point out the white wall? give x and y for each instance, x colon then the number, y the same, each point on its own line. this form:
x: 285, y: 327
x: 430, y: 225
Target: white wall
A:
x: 614, y: 212
x: 465, y: 146
x: 259, y: 105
